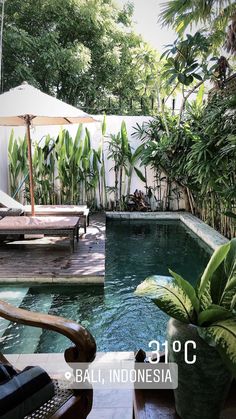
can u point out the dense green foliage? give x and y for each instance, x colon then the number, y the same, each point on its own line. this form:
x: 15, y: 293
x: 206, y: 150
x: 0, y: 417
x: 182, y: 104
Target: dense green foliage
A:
x: 210, y: 304
x: 66, y: 170
x: 84, y: 52
x: 199, y: 154
x: 69, y: 171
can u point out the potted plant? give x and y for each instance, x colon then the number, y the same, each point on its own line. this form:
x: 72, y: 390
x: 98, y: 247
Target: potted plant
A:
x: 206, y: 315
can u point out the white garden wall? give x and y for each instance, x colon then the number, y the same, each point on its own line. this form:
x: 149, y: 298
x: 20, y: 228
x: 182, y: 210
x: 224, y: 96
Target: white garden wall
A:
x: 113, y: 127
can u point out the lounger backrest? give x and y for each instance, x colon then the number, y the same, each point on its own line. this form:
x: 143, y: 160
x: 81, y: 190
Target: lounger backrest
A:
x: 8, y: 202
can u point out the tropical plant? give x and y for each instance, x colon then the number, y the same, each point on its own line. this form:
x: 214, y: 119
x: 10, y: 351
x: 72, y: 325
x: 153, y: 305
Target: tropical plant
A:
x: 68, y: 154
x: 102, y: 169
x: 162, y: 148
x: 119, y: 150
x: 210, y: 305
x: 198, y: 156
x: 78, y: 168
x: 189, y: 63
x: 18, y: 164
x: 44, y: 161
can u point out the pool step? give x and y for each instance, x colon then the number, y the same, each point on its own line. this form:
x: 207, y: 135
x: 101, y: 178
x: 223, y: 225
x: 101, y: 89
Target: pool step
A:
x: 19, y: 338
x: 51, y: 341
x: 14, y: 296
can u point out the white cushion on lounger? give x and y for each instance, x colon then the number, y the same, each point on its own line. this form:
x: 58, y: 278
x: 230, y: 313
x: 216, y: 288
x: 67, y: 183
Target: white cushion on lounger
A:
x: 18, y: 224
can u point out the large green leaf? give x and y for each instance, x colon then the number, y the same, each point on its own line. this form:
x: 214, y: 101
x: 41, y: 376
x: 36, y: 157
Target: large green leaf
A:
x: 11, y: 140
x: 218, y: 284
x: 213, y: 314
x: 230, y: 265
x: 136, y: 155
x: 215, y: 261
x: 227, y: 300
x: 168, y: 296
x: 230, y: 271
x: 78, y: 135
x: 222, y: 335
x: 187, y: 288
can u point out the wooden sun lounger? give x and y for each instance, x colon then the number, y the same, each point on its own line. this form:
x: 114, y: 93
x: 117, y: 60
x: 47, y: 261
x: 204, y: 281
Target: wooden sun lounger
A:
x: 81, y: 211
x: 48, y: 226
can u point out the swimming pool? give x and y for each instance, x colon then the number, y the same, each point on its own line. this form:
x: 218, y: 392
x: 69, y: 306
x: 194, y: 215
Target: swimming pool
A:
x: 118, y: 320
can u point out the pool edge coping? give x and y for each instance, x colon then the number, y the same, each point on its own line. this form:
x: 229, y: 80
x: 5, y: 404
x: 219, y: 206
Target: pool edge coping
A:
x: 206, y: 233
x: 202, y: 230
x: 67, y: 280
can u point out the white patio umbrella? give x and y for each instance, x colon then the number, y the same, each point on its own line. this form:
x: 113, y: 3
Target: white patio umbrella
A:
x: 25, y: 106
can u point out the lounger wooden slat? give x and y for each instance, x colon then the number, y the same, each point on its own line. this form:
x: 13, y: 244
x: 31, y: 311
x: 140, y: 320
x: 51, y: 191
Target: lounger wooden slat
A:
x: 48, y: 226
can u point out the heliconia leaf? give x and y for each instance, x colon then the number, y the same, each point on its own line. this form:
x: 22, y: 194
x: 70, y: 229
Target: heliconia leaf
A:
x: 188, y: 289
x: 100, y: 150
x: 10, y: 144
x: 222, y: 335
x: 61, y: 137
x: 88, y: 139
x: 79, y: 153
x: 213, y: 314
x: 124, y: 137
x: 168, y: 297
x: 67, y: 143
x: 78, y: 135
x: 104, y: 125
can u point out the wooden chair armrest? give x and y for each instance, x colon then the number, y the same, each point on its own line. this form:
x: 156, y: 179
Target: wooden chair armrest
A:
x: 85, y: 345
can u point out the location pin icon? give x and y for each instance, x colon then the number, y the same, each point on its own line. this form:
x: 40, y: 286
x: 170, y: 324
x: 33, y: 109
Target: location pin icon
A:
x: 68, y: 375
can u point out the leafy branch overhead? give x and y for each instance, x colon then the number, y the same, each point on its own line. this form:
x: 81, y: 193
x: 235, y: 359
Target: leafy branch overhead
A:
x: 188, y: 60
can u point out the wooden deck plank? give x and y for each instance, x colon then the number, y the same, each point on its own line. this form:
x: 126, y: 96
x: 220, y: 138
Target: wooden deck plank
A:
x: 50, y: 257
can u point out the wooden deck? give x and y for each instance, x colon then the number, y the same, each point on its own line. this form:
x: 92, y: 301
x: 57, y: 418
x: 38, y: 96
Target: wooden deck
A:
x: 49, y: 259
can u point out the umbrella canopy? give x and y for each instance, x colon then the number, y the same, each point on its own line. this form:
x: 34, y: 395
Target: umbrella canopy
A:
x: 25, y: 106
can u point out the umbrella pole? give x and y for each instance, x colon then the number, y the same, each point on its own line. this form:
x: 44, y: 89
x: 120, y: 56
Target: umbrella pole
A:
x: 28, y: 122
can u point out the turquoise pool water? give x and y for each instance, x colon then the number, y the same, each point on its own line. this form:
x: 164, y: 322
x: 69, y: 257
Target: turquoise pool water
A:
x: 118, y: 320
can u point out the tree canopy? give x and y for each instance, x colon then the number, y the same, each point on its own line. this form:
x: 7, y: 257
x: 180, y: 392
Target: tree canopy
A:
x: 81, y: 51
